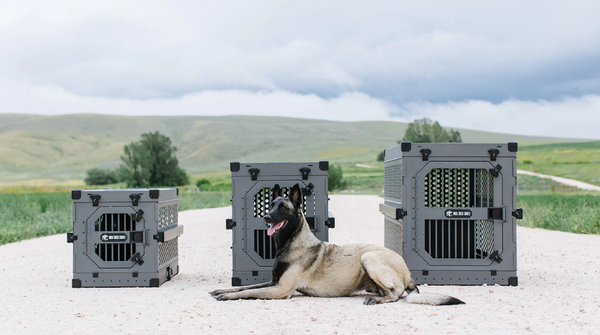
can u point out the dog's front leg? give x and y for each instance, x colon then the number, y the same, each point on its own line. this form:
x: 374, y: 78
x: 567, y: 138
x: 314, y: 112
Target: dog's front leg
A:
x: 284, y: 289
x: 216, y: 293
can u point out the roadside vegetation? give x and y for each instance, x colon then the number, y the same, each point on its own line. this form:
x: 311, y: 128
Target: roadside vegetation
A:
x: 34, y: 211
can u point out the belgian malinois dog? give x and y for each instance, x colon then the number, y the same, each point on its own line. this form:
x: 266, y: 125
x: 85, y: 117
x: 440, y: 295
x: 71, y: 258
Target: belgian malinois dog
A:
x: 307, y: 265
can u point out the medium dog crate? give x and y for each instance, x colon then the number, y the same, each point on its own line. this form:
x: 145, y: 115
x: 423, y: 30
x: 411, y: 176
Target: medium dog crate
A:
x: 253, y: 251
x: 125, y: 238
x: 449, y: 210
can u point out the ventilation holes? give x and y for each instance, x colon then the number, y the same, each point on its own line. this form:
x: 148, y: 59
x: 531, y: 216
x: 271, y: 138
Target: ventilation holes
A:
x: 458, y: 188
x: 459, y: 239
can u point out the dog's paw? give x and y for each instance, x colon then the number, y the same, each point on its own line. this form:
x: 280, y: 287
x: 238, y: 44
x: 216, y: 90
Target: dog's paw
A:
x: 370, y: 301
x: 216, y: 292
x: 226, y: 296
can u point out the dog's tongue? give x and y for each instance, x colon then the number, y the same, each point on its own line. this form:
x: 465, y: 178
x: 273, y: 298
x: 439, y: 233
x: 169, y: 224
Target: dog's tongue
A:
x: 274, y: 228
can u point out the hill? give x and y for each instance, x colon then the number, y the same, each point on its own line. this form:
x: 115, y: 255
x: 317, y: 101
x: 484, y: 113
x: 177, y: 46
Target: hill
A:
x: 63, y: 147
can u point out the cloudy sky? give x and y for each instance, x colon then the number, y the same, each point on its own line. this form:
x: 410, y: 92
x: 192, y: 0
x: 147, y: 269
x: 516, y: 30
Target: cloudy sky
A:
x: 524, y: 67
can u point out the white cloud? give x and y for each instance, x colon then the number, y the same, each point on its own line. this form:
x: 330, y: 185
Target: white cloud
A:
x: 568, y: 117
x: 459, y: 62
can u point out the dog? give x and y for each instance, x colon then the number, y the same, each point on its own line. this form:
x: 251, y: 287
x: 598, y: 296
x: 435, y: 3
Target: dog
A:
x: 315, y: 268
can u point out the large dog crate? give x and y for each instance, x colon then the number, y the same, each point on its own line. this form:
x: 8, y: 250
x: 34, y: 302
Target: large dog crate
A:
x: 450, y: 211
x: 125, y: 238
x: 253, y: 251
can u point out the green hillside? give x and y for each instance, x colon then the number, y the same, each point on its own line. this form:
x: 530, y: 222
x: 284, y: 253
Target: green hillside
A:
x: 62, y: 148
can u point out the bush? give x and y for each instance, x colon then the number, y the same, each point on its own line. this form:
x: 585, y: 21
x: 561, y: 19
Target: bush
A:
x: 381, y: 156
x: 151, y: 162
x: 202, y: 184
x: 97, y: 176
x: 336, y: 180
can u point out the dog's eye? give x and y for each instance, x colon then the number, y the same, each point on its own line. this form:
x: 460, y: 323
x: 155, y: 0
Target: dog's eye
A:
x: 281, y: 206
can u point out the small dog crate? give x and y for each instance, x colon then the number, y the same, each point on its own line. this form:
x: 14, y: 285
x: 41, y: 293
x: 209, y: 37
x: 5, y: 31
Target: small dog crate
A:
x: 253, y: 251
x: 450, y: 211
x: 124, y: 238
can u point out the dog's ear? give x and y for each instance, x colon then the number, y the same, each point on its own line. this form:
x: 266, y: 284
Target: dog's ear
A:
x: 276, y: 191
x: 296, y: 196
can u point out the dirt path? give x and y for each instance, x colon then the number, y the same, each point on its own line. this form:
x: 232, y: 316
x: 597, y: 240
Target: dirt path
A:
x: 566, y: 181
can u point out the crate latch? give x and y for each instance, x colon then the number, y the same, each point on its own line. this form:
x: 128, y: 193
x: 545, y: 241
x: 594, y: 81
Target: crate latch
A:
x: 305, y: 171
x: 137, y: 258
x: 71, y: 237
x: 493, y: 154
x: 137, y: 216
x: 254, y: 173
x: 495, y: 213
x: 495, y: 256
x: 518, y: 213
x: 400, y: 213
x: 307, y: 191
x: 95, y: 199
x: 496, y: 170
x: 135, y: 198
x: 169, y: 272
x: 425, y: 153
x: 136, y: 237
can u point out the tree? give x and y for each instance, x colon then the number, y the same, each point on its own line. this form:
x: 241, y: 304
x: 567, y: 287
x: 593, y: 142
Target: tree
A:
x: 427, y: 131
x: 97, y: 176
x: 335, y: 179
x: 151, y: 162
x: 381, y: 156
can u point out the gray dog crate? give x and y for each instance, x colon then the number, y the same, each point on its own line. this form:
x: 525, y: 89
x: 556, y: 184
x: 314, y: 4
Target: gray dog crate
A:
x: 124, y: 238
x: 450, y: 211
x: 253, y: 251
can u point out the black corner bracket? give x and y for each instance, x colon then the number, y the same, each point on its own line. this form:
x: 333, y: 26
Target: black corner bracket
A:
x: 324, y: 165
x: 76, y: 194
x: 154, y: 194
x: 405, y: 146
x: 513, y: 147
x: 234, y: 166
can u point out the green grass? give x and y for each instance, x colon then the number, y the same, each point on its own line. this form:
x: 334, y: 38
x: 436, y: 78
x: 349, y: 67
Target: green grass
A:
x: 29, y: 215
x: 580, y: 161
x: 575, y: 213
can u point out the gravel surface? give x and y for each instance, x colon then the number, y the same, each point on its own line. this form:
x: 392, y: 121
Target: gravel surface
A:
x: 557, y: 292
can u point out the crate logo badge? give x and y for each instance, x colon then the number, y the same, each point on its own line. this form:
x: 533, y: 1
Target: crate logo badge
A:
x: 458, y: 213
x: 113, y: 237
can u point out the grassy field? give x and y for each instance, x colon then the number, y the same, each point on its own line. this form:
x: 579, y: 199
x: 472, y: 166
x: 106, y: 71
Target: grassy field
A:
x: 580, y: 161
x: 61, y: 148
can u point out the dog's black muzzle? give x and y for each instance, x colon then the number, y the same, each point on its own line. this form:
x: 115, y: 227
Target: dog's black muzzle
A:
x: 268, y: 220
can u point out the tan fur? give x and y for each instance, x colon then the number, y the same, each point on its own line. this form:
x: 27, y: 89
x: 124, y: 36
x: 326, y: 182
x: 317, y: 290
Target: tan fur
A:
x: 321, y: 269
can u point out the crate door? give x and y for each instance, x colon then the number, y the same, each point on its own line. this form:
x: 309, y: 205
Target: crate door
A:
x: 259, y: 246
x: 456, y: 219
x: 114, y: 237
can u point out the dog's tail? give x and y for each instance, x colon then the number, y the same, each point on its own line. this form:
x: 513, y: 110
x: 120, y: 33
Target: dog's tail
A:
x: 434, y: 299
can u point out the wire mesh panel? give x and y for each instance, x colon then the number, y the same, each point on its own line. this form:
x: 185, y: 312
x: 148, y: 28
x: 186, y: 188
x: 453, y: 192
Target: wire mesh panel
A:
x: 252, y: 196
x: 456, y: 211
x: 125, y: 237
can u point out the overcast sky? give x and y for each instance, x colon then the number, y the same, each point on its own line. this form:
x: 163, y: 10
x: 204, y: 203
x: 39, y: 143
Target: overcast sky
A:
x: 524, y: 67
